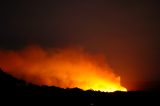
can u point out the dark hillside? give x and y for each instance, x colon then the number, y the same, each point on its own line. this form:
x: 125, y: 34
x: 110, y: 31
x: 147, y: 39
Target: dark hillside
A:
x: 12, y: 88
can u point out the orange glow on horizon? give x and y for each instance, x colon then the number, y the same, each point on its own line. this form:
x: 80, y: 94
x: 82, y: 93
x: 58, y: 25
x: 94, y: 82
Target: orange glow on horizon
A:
x: 65, y: 68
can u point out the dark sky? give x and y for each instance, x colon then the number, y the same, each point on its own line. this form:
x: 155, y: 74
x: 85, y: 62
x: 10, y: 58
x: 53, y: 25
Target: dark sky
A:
x: 126, y: 31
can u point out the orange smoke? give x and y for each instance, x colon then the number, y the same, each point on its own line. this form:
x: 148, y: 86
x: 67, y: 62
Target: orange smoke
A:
x: 65, y: 68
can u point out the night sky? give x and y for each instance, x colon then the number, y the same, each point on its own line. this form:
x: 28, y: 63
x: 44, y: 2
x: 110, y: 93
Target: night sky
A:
x: 126, y: 31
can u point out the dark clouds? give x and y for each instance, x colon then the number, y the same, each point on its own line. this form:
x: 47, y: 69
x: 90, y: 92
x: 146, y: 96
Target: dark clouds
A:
x: 127, y: 31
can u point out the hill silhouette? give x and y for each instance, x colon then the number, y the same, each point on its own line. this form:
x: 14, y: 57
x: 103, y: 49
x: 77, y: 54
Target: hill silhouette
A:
x: 12, y: 88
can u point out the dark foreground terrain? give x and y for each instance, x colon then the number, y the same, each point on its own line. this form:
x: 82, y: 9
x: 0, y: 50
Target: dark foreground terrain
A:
x: 17, y: 91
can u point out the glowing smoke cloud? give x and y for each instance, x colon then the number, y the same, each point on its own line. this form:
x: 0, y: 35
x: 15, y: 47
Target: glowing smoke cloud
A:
x: 65, y: 68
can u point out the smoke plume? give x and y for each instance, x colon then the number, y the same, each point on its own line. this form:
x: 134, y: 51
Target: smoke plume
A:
x: 66, y: 68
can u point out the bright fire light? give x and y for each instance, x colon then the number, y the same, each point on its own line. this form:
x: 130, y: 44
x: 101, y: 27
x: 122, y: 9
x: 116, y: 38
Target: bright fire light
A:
x: 65, y: 68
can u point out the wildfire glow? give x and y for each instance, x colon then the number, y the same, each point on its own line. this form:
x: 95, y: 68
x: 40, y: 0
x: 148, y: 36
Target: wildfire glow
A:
x: 65, y: 68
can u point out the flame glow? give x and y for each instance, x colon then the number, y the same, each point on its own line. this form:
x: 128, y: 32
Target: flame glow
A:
x: 65, y: 68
